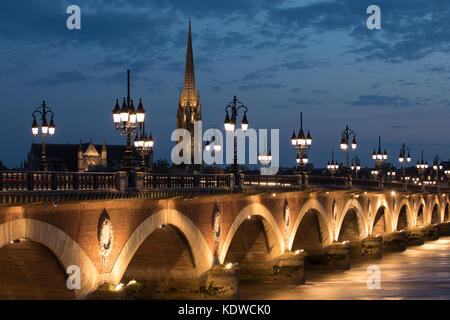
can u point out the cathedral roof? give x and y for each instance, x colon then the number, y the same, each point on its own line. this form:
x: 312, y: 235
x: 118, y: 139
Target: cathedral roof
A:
x: 91, y: 151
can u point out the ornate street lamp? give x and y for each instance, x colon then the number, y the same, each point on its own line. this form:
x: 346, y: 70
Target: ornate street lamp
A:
x: 215, y: 147
x: 437, y: 167
x: 403, y: 159
x: 348, y: 134
x: 43, y: 110
x: 301, y: 144
x: 332, y: 166
x: 379, y: 158
x: 391, y: 174
x: 230, y: 125
x: 356, y: 166
x: 144, y: 145
x: 447, y: 173
x: 266, y: 157
x: 128, y: 120
x: 422, y: 167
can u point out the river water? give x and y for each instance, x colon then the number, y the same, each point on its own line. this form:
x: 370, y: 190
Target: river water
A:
x: 420, y: 272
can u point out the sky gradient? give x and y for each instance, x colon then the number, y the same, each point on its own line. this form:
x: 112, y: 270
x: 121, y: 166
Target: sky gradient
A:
x: 279, y: 57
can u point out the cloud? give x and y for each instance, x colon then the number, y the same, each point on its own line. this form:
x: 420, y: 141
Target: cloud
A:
x: 59, y: 78
x: 262, y: 86
x: 282, y: 106
x: 303, y: 101
x: 398, y: 127
x: 411, y: 30
x: 382, y: 101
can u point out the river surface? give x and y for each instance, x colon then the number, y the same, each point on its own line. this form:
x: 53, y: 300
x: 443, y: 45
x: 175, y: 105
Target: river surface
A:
x: 420, y: 272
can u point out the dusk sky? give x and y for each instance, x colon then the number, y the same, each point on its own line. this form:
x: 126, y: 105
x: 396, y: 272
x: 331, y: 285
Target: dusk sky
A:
x: 279, y: 57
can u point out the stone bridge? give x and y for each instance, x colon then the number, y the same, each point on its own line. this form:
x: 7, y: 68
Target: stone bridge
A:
x: 205, y: 243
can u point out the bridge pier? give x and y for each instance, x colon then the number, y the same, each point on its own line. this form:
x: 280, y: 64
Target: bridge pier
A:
x: 444, y: 229
x: 222, y: 281
x: 338, y: 256
x: 416, y: 237
x: 395, y: 242
x: 371, y: 247
x: 431, y: 232
x: 291, y: 268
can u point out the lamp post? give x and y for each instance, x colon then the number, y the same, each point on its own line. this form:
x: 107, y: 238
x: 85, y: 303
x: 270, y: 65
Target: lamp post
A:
x: 332, y: 166
x: 379, y: 158
x: 403, y: 159
x: 356, y: 166
x: 437, y: 167
x: 43, y: 110
x: 422, y: 167
x: 348, y: 134
x: 128, y: 120
x: 230, y: 126
x: 391, y: 174
x: 144, y: 145
x: 265, y: 158
x: 301, y: 144
x: 215, y: 147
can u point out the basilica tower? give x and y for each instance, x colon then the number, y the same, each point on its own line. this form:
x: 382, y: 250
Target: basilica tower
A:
x: 189, y: 109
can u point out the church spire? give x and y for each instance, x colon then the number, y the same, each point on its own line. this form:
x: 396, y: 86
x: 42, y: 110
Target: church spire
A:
x: 189, y: 78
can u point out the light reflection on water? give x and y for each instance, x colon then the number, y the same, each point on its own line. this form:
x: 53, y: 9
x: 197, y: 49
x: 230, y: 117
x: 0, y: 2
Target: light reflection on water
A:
x: 421, y: 272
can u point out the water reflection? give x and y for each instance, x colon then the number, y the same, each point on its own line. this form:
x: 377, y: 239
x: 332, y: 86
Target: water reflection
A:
x: 421, y: 272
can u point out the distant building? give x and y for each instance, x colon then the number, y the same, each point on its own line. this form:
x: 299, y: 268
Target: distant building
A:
x: 80, y: 157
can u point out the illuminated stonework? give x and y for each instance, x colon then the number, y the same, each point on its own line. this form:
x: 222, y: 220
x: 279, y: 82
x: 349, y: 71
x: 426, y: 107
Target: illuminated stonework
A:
x: 105, y: 237
x: 189, y: 108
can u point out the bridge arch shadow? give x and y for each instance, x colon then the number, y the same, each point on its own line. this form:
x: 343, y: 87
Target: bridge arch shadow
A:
x: 446, y: 213
x: 253, y: 240
x: 311, y: 230
x: 44, y: 242
x: 435, y: 214
x: 380, y: 223
x: 166, y: 246
x: 352, y: 225
x: 421, y: 215
x: 404, y: 217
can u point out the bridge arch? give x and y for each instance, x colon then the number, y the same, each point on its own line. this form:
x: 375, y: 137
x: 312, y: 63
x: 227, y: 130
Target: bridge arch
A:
x: 272, y: 231
x: 63, y: 247
x: 421, y: 214
x: 404, y: 218
x: 352, y: 219
x: 313, y: 209
x: 201, y: 253
x: 381, y: 221
x: 435, y: 216
x: 446, y: 215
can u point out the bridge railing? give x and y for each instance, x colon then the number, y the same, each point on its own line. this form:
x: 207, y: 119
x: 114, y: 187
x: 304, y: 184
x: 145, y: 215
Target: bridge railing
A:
x: 181, y: 181
x: 280, y: 181
x: 394, y: 185
x: 57, y: 181
x: 370, y: 184
x: 324, y: 181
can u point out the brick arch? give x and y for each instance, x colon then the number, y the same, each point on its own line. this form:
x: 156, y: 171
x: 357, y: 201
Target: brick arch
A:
x: 315, y: 205
x: 446, y: 212
x: 421, y: 203
x: 201, y: 253
x: 434, y: 204
x: 362, y: 223
x: 64, y: 248
x: 256, y: 209
x: 409, y: 214
x: 382, y: 203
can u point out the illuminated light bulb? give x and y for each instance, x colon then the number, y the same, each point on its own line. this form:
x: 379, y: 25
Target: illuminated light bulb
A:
x: 228, y: 266
x: 118, y: 287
